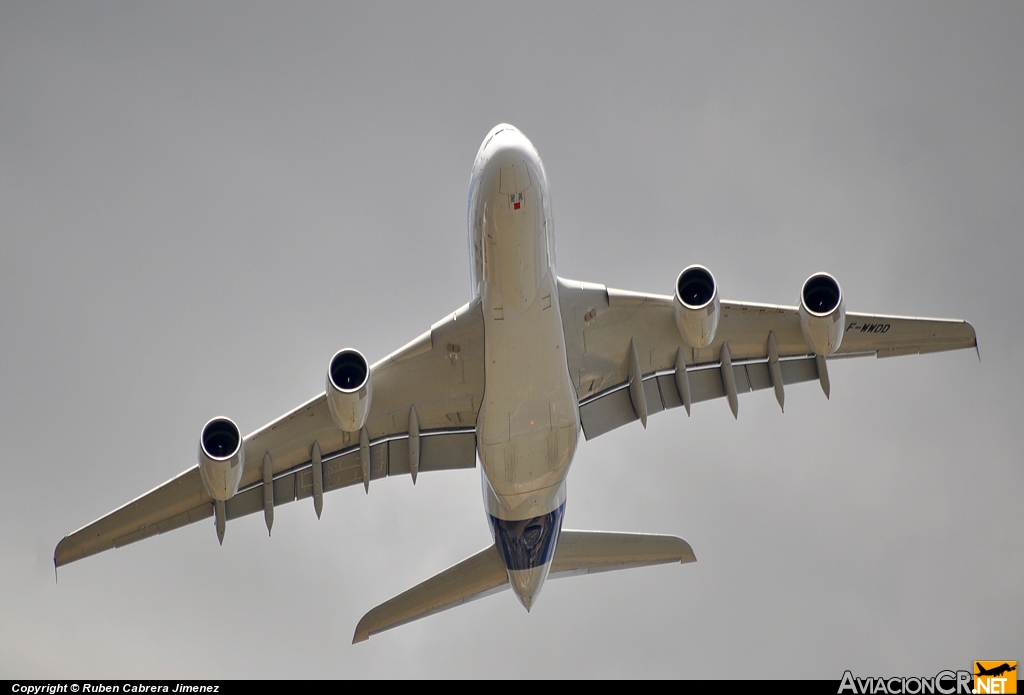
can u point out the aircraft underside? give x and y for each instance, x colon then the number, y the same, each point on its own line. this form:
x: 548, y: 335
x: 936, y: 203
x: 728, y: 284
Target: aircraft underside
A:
x: 511, y: 379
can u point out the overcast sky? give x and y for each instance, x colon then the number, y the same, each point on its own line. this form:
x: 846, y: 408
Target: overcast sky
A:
x: 200, y: 203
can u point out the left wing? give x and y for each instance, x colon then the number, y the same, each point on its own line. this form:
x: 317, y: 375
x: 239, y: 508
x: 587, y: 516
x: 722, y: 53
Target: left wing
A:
x: 440, y: 373
x: 604, y: 327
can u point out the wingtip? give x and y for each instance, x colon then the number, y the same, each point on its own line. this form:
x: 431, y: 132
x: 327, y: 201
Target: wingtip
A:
x: 57, y: 560
x: 361, y: 634
x: 686, y: 554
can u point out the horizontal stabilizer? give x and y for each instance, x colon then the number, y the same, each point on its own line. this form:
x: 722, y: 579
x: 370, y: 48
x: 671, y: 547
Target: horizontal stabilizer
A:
x: 483, y: 574
x: 475, y: 577
x: 586, y: 552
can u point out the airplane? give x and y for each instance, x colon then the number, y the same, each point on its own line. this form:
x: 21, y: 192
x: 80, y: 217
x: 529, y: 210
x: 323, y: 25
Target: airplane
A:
x: 512, y: 379
x: 996, y: 670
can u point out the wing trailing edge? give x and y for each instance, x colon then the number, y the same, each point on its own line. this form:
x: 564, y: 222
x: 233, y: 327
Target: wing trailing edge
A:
x: 483, y: 574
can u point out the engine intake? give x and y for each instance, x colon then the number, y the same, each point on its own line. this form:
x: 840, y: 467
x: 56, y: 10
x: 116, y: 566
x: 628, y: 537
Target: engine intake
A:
x: 221, y: 458
x: 822, y: 313
x: 696, y: 306
x: 349, y: 389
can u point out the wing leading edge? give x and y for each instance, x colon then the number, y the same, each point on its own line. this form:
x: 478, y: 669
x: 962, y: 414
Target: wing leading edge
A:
x: 440, y: 374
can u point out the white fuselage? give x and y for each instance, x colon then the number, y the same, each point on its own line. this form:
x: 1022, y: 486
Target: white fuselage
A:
x: 529, y: 419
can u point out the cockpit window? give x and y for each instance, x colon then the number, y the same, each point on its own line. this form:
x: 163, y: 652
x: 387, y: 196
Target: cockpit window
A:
x: 527, y: 543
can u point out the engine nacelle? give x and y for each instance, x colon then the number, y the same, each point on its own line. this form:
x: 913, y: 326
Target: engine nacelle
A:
x: 822, y: 313
x: 221, y: 458
x: 696, y: 306
x: 349, y: 389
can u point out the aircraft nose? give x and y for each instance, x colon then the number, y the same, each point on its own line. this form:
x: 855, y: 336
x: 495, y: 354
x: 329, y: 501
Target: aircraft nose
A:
x: 502, y: 131
x: 506, y: 142
x: 528, y: 583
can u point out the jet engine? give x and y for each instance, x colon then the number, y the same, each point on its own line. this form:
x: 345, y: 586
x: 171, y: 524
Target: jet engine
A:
x: 221, y: 458
x: 349, y: 389
x: 822, y: 313
x: 696, y: 306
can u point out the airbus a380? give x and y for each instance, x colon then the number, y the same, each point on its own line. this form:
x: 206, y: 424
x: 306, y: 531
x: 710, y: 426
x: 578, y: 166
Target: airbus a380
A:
x: 511, y: 379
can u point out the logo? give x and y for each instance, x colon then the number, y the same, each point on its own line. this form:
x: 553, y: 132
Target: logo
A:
x: 943, y: 683
x: 995, y: 677
x: 989, y: 678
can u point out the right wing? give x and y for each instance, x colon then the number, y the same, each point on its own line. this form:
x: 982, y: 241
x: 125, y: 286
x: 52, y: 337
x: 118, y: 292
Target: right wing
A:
x: 602, y: 323
x: 441, y: 373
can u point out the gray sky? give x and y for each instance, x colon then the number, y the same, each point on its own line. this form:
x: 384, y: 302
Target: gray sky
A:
x: 200, y: 203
